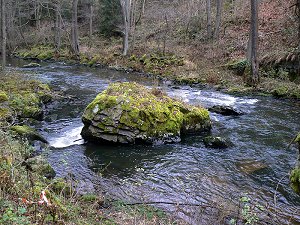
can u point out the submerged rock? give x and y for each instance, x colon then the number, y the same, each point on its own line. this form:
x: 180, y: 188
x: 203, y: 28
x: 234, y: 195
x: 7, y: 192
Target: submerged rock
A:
x: 225, y: 110
x: 130, y: 113
x: 29, y: 133
x: 250, y: 166
x: 216, y: 142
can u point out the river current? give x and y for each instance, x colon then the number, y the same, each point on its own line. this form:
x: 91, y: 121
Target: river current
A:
x: 187, y: 173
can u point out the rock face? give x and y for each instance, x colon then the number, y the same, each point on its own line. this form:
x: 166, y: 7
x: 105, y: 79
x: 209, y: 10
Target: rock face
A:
x: 130, y: 113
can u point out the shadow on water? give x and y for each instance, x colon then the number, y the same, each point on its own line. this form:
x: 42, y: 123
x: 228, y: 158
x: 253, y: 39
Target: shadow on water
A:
x: 257, y: 164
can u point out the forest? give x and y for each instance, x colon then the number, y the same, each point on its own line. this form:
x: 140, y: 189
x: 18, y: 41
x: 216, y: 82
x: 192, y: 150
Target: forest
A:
x: 150, y: 112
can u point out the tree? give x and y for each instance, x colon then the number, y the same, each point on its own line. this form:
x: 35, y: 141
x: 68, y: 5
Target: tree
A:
x: 253, y: 43
x: 208, y: 18
x: 4, y: 34
x: 74, y: 30
x: 218, y: 19
x: 58, y: 22
x: 91, y: 12
x: 297, y: 4
x: 125, y: 6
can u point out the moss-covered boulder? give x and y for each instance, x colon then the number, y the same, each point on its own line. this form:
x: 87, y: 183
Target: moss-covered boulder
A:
x: 24, y: 98
x: 131, y: 113
x: 28, y: 132
x: 40, y: 165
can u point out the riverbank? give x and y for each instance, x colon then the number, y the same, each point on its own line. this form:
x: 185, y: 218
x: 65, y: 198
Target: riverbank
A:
x: 176, y: 69
x: 27, y: 197
x: 28, y: 194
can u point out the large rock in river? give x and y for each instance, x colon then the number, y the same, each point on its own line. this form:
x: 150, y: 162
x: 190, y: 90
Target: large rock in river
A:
x: 131, y: 113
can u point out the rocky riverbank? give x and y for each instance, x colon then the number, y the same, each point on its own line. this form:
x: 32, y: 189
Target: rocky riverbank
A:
x: 227, y: 77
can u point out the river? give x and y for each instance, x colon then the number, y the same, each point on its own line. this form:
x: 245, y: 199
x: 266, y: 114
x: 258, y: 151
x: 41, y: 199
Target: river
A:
x: 189, y: 173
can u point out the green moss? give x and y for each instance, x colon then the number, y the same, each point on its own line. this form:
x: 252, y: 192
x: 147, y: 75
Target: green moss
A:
x: 239, y: 66
x: 4, y: 113
x: 281, y: 91
x: 60, y: 186
x: 89, y: 197
x: 23, y: 130
x: 297, y: 139
x: 295, y: 180
x: 149, y: 113
x: 3, y: 96
x: 26, y: 96
x: 28, y: 132
x: 45, y: 55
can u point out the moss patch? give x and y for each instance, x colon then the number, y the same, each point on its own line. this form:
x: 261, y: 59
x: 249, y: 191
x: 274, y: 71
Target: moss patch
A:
x: 3, y: 96
x: 23, y: 98
x: 295, y: 180
x: 28, y: 132
x: 131, y: 111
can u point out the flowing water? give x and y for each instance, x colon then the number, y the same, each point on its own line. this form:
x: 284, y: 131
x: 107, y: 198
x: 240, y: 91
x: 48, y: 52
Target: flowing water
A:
x: 257, y: 165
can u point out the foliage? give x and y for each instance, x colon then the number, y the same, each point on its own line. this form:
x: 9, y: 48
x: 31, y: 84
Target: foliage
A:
x: 249, y: 211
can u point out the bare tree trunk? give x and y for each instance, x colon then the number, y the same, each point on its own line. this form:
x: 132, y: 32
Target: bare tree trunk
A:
x: 297, y: 4
x: 208, y: 17
x: 125, y: 5
x: 4, y: 34
x: 91, y: 20
x: 165, y: 35
x: 143, y: 6
x: 254, y: 43
x: 57, y: 25
x: 218, y: 19
x: 74, y: 31
x: 133, y: 22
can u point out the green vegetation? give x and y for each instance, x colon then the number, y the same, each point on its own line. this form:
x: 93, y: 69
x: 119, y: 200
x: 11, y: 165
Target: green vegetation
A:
x: 22, y: 183
x: 22, y: 98
x: 147, y: 115
x: 28, y: 133
x: 295, y: 179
